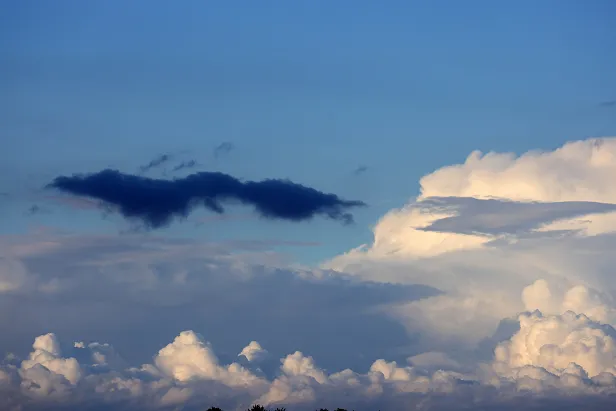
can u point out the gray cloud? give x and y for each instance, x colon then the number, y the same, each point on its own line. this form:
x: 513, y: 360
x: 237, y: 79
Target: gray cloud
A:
x: 360, y: 170
x: 115, y: 288
x: 155, y: 163
x: 185, y: 165
x: 36, y: 209
x: 223, y: 149
x: 139, y: 292
x: 495, y: 216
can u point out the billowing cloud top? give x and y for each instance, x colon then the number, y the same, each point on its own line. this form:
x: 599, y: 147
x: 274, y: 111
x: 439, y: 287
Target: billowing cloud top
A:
x: 156, y: 202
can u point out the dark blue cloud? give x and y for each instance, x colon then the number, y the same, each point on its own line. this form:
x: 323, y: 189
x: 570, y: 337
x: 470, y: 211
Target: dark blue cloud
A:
x: 156, y: 202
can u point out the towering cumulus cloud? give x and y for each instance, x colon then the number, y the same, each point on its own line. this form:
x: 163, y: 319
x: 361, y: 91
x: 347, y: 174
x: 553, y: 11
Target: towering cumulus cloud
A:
x: 157, y: 202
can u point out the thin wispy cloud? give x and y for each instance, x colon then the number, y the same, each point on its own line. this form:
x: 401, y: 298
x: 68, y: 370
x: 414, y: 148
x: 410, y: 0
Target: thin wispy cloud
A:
x: 185, y: 165
x: 36, y: 209
x: 155, y: 163
x: 157, y: 202
x: 223, y: 149
x: 360, y: 170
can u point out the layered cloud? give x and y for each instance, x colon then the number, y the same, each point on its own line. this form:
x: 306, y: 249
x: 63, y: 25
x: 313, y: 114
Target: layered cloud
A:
x: 492, y: 290
x: 156, y: 202
x: 115, y: 287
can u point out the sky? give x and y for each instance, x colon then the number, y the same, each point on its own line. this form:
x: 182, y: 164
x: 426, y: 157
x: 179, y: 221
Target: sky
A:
x: 376, y: 205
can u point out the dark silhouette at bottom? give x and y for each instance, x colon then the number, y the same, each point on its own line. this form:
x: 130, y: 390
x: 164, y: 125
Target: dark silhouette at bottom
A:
x: 262, y: 408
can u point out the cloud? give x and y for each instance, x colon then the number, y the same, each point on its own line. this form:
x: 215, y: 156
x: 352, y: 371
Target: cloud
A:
x: 47, y: 354
x: 579, y: 299
x: 493, y: 196
x: 114, y: 288
x: 569, y: 343
x: 185, y: 165
x: 188, y: 373
x: 223, y: 149
x: 35, y: 209
x: 494, y: 217
x: 156, y: 162
x: 156, y: 202
x: 360, y: 170
x: 492, y: 290
x: 610, y: 103
x: 574, y: 172
x: 253, y: 352
x: 189, y: 357
x: 484, y: 230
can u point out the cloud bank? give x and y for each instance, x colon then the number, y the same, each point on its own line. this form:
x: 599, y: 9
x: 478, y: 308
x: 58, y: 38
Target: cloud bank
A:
x: 492, y: 290
x: 187, y: 373
x: 156, y: 202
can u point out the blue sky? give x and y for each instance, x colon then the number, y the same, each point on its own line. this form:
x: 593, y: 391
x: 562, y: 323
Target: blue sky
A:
x: 304, y: 90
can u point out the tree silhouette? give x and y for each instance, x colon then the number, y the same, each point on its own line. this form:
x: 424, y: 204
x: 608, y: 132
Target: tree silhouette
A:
x: 258, y: 407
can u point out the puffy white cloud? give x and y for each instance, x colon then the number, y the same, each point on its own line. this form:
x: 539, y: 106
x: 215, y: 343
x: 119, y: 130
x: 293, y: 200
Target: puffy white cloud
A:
x: 189, y: 357
x: 578, y: 299
x: 186, y: 369
x: 253, y: 352
x: 568, y: 348
x: 576, y: 171
x: 47, y: 354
